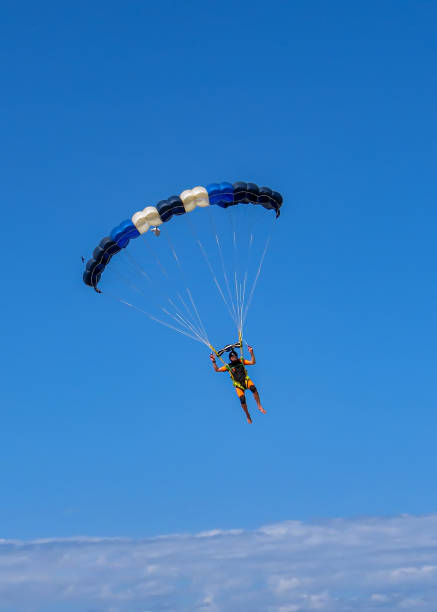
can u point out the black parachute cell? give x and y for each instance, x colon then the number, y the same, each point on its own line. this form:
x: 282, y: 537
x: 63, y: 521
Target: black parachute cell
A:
x: 172, y: 206
x: 91, y: 278
x: 101, y: 256
x: 272, y: 200
x: 94, y: 267
x: 105, y: 250
x: 109, y: 246
x: 240, y: 192
x: 252, y: 191
x: 87, y: 279
x: 246, y: 193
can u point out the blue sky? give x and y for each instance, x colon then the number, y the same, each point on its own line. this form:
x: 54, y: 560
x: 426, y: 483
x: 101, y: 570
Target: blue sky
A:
x: 113, y: 426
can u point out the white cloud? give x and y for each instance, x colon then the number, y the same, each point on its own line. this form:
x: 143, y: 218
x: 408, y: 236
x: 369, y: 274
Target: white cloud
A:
x: 379, y: 597
x: 412, y: 603
x: 282, y: 584
x: 365, y: 564
x: 403, y: 573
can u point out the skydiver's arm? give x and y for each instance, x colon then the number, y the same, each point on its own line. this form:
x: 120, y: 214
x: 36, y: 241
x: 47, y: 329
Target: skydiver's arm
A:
x: 253, y: 360
x: 214, y: 365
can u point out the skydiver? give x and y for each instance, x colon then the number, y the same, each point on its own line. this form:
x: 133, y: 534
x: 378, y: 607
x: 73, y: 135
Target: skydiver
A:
x: 240, y: 378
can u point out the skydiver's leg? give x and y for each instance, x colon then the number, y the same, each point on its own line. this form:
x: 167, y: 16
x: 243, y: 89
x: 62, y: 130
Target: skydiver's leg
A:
x: 242, y: 398
x: 256, y: 396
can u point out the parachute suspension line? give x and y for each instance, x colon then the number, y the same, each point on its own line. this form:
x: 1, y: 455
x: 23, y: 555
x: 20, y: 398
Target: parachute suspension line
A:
x: 232, y: 312
x: 200, y: 324
x: 187, y: 310
x: 216, y: 282
x: 155, y: 257
x: 179, y: 315
x: 235, y: 257
x: 137, y: 265
x: 180, y: 318
x: 222, y: 261
x: 252, y: 291
x: 246, y: 270
x: 237, y: 232
x: 153, y: 318
x: 150, y: 316
x: 212, y: 272
x: 187, y: 288
x: 125, y: 280
x: 255, y: 281
x: 190, y: 322
x: 249, y: 223
x: 197, y: 313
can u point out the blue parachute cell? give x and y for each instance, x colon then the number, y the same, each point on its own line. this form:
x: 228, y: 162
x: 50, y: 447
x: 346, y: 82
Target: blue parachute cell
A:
x: 124, y: 232
x: 221, y: 194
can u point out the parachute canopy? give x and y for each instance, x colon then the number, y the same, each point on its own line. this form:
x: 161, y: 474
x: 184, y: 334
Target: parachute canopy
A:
x: 223, y: 195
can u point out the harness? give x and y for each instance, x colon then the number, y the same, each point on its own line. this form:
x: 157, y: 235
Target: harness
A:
x: 234, y: 381
x: 219, y: 354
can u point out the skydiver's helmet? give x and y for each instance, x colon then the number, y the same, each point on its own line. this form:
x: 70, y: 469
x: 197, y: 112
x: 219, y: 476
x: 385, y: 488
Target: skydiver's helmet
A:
x: 234, y: 354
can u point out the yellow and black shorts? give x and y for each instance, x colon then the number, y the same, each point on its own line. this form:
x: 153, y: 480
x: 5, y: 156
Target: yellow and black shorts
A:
x: 247, y: 384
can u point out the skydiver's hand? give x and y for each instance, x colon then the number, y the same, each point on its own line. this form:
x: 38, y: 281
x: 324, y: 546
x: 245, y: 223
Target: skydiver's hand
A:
x: 250, y: 348
x: 212, y: 358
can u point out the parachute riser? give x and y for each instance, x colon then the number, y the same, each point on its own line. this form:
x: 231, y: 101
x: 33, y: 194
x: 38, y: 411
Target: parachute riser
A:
x: 219, y: 355
x: 240, y: 338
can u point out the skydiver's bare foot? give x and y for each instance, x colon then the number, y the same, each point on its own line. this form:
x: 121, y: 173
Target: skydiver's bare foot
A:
x: 258, y: 401
x: 247, y: 413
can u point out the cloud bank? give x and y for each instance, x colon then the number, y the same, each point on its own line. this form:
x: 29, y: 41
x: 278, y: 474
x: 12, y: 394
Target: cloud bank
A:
x: 364, y: 565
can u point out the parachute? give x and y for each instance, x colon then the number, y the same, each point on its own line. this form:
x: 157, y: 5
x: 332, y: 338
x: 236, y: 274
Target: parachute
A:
x: 181, y: 311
